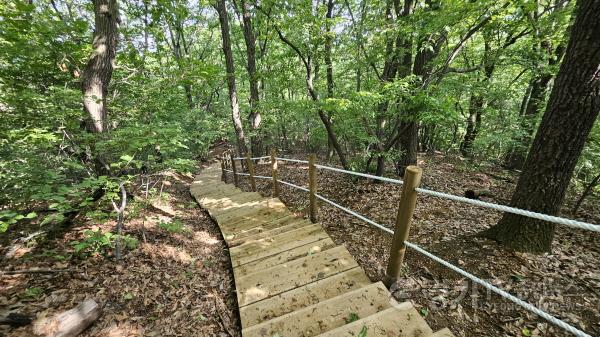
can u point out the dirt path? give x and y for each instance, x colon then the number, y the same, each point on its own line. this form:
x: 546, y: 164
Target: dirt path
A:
x: 177, y: 283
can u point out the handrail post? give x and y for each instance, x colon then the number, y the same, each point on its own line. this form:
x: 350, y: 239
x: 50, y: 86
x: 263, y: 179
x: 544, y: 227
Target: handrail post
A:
x: 312, y: 186
x: 251, y: 171
x: 408, y: 201
x: 234, y: 169
x: 274, y: 173
x: 223, y: 175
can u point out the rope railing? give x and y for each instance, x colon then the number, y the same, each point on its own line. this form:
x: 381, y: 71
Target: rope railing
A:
x: 293, y: 160
x: 293, y: 185
x: 409, y: 192
x: 364, y: 175
x: 252, y: 158
x: 503, y: 208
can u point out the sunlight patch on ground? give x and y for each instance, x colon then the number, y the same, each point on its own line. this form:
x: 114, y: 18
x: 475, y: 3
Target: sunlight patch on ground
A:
x: 205, y: 237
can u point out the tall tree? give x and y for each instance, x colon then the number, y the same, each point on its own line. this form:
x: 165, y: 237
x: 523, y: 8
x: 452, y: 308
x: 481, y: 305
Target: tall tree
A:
x: 250, y: 39
x: 572, y: 109
x: 230, y: 69
x: 99, y: 69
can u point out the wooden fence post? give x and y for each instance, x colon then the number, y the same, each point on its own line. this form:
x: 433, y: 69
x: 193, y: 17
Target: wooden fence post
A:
x: 408, y: 200
x: 274, y: 173
x: 251, y: 171
x: 312, y: 186
x: 223, y: 174
x: 235, y: 177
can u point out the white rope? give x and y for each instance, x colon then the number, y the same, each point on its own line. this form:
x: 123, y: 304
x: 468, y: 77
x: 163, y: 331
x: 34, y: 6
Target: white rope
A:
x: 503, y: 208
x: 500, y: 292
x: 253, y: 158
x: 389, y: 180
x: 246, y: 174
x: 349, y: 211
x: 293, y: 160
x: 292, y: 185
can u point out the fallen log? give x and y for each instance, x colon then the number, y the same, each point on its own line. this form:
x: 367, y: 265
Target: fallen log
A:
x: 69, y: 323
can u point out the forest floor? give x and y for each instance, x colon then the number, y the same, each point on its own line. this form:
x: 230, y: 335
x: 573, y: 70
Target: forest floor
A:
x: 565, y: 283
x: 177, y: 283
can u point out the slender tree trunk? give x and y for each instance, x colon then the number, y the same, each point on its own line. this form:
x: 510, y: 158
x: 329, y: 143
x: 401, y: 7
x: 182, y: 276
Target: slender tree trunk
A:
x: 254, y: 118
x: 99, y: 69
x: 230, y: 68
x: 473, y: 124
x: 535, y: 101
x: 477, y: 102
x: 329, y: 64
x: 572, y: 109
x: 586, y: 192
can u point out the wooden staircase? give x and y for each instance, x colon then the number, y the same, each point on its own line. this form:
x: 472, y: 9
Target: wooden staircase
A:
x: 292, y: 279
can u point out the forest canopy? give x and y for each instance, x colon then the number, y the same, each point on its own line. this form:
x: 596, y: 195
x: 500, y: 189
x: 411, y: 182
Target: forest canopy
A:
x: 370, y: 83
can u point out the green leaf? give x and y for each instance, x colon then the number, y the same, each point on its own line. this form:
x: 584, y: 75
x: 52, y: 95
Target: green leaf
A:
x: 526, y: 332
x: 128, y: 296
x: 363, y: 331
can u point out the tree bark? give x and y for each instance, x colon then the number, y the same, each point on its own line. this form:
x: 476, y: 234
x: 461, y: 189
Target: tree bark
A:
x: 99, y: 69
x: 230, y: 68
x: 477, y: 102
x: 254, y: 117
x: 572, y: 109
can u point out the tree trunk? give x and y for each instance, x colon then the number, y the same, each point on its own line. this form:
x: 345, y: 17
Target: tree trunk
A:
x: 571, y: 112
x: 473, y: 124
x: 586, y: 192
x: 230, y: 68
x: 477, y: 101
x: 535, y: 101
x: 99, y: 69
x: 254, y: 118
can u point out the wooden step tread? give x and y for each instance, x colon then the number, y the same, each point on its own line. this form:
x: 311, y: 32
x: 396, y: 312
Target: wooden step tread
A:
x: 260, y: 209
x: 326, y: 315
x: 256, y: 250
x: 283, y: 257
x: 275, y: 280
x: 302, y: 297
x: 266, y: 229
x: 401, y: 320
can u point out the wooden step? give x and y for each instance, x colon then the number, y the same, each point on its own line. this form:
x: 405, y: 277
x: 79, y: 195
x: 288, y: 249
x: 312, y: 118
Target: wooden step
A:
x: 275, y: 280
x: 234, y: 206
x: 265, y: 229
x: 207, y: 190
x: 302, y: 297
x: 260, y: 249
x: 401, y: 320
x: 236, y: 198
x: 326, y: 315
x: 269, y: 206
x: 254, y: 219
x: 283, y: 257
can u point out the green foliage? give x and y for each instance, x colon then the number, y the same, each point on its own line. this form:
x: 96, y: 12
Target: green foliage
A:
x: 32, y: 293
x: 175, y: 226
x: 98, y: 242
x: 8, y: 218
